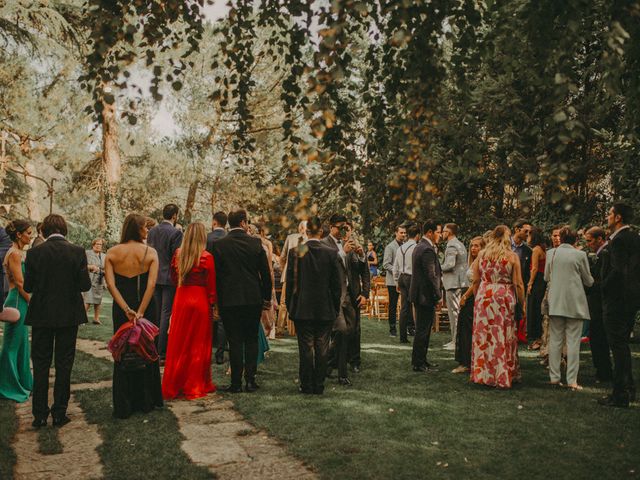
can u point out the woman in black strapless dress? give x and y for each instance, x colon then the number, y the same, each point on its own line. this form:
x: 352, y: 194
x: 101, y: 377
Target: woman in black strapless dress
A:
x: 133, y: 390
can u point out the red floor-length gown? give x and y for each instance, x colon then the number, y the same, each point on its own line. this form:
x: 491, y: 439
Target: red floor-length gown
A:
x: 187, y: 371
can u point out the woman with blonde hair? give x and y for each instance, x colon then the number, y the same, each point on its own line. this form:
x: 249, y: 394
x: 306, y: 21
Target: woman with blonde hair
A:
x: 187, y: 372
x: 465, y: 318
x: 497, y: 282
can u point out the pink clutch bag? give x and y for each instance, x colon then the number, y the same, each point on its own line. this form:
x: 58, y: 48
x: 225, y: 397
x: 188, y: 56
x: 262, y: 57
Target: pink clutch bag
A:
x: 9, y: 315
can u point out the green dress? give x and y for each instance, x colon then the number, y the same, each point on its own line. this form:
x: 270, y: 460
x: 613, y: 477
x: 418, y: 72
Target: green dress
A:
x: 16, y: 381
x: 263, y: 344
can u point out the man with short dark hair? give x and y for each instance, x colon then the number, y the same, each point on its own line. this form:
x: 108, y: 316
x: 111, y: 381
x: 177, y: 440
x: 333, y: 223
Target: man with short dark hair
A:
x: 218, y: 231
x: 621, y: 299
x: 596, y: 239
x: 244, y: 290
x: 402, y: 275
x: 425, y: 292
x: 166, y: 239
x: 56, y: 274
x: 387, y: 262
x: 521, y: 229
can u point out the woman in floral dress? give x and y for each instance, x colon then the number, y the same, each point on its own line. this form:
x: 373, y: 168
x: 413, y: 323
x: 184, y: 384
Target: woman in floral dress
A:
x: 497, y: 282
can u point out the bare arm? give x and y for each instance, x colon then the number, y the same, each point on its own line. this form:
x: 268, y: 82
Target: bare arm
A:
x: 535, y: 258
x: 151, y: 284
x: 475, y: 281
x: 469, y: 291
x: 14, y: 265
x: 516, y: 278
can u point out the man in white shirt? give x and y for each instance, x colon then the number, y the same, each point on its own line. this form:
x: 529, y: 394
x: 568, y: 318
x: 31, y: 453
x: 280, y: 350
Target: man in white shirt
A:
x: 402, y: 277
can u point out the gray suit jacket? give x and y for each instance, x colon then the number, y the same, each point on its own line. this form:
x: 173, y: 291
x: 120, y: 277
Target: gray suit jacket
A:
x: 387, y: 261
x: 454, y: 268
x: 569, y: 276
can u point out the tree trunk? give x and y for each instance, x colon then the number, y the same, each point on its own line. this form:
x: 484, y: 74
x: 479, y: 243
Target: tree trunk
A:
x: 191, y: 200
x: 112, y: 165
x: 33, y: 201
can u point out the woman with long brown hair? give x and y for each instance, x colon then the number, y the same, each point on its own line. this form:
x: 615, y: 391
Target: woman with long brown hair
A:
x: 130, y: 271
x: 187, y: 371
x: 497, y: 282
x: 465, y: 318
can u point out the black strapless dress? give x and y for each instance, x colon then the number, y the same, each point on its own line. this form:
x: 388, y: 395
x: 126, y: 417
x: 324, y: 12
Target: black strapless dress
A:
x: 134, y: 391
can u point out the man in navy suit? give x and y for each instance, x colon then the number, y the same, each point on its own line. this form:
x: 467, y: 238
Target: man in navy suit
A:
x: 425, y: 292
x: 166, y: 239
x: 218, y: 231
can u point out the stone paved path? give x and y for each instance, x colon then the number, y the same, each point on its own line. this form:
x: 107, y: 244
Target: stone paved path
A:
x: 218, y: 438
x: 79, y: 458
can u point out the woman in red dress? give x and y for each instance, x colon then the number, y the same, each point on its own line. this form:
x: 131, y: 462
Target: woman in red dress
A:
x: 187, y: 372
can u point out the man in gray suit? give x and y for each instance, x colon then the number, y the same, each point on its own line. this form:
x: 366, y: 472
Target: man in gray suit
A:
x: 387, y: 262
x: 454, y: 277
x: 218, y: 231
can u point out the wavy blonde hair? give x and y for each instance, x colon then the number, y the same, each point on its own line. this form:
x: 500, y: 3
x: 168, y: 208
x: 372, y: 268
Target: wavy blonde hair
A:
x: 193, y: 244
x: 499, y: 244
x: 482, y: 243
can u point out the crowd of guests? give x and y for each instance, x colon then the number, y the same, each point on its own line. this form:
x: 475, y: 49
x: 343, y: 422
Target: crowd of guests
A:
x: 216, y: 290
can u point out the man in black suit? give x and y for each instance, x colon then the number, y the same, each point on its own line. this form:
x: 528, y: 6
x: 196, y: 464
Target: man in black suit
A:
x: 218, y: 230
x: 166, y: 239
x: 355, y: 278
x: 56, y: 274
x: 244, y: 290
x: 521, y: 229
x: 425, y: 292
x: 621, y: 300
x: 597, y: 242
x: 313, y: 292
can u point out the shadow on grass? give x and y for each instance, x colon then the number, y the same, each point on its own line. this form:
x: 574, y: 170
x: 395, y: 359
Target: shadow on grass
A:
x: 395, y: 423
x: 90, y: 369
x: 48, y: 441
x: 8, y: 429
x: 140, y: 447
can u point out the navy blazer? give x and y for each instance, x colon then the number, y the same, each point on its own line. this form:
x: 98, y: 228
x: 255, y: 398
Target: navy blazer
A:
x: 243, y: 275
x: 214, y: 235
x: 56, y: 274
x: 166, y: 239
x: 426, y: 275
x: 318, y: 287
x: 620, y: 272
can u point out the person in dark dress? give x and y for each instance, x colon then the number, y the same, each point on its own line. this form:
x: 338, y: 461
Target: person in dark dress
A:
x: 464, y: 333
x: 131, y: 270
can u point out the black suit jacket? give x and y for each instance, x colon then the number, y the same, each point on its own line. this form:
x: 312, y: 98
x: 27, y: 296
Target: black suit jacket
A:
x: 56, y: 275
x: 525, y: 263
x: 166, y: 239
x: 318, y: 288
x: 619, y: 272
x: 426, y: 275
x: 355, y: 270
x: 214, y: 235
x: 243, y: 276
x: 594, y: 292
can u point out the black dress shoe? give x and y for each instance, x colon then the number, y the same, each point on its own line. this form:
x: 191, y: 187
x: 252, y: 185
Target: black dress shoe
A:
x: 404, y: 340
x: 232, y: 389
x: 318, y: 390
x: 345, y: 382
x: 611, y: 401
x: 61, y: 421
x: 219, y: 359
x: 39, y: 422
x: 305, y: 390
x: 251, y: 387
x: 421, y: 368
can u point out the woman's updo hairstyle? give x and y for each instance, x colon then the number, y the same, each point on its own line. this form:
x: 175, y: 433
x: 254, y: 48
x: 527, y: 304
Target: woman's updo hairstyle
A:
x: 16, y: 227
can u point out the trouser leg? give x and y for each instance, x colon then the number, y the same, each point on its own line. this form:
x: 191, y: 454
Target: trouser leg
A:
x: 65, y: 348
x: 234, y: 336
x: 168, y: 293
x: 619, y: 325
x: 393, y: 308
x: 600, y: 353
x: 424, y: 321
x: 556, y: 342
x: 453, y: 309
x: 406, y: 311
x: 354, y: 342
x: 320, y: 350
x: 573, y: 331
x: 304, y: 333
x: 41, y: 355
x: 341, y: 354
x: 250, y: 334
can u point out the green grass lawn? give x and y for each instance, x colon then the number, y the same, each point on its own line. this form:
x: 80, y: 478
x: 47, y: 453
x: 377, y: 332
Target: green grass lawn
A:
x: 394, y: 423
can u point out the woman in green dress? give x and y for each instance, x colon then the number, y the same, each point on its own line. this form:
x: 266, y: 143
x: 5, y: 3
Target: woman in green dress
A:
x: 16, y: 380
